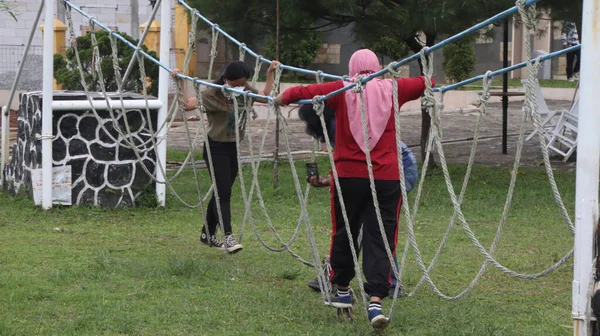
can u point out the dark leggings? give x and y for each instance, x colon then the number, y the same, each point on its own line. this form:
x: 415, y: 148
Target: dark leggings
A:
x: 360, y: 209
x: 571, y: 61
x: 224, y: 160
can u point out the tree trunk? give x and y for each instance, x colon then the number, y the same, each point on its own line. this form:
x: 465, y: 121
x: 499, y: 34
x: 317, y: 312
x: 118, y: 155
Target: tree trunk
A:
x: 425, y: 117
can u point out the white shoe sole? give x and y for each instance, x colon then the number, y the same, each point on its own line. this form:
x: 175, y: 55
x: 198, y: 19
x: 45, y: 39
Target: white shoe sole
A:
x: 380, y: 322
x: 234, y: 249
x: 338, y: 305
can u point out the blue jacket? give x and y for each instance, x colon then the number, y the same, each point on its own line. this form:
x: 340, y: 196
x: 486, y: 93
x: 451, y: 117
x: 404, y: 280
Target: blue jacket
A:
x: 411, y: 170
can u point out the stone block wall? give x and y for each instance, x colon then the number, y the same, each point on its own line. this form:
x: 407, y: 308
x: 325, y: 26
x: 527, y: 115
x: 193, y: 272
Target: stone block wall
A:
x: 105, y: 170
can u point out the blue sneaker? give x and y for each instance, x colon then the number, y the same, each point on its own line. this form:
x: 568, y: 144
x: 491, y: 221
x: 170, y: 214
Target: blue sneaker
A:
x: 378, y: 320
x: 341, y: 299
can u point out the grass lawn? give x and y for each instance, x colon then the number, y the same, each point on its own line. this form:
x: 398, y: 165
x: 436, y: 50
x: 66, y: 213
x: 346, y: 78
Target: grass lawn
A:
x: 90, y: 271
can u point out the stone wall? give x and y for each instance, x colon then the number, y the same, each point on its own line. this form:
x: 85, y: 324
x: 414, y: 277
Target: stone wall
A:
x: 105, y: 171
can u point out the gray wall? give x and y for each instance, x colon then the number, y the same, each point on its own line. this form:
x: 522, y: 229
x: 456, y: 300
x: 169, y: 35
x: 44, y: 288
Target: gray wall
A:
x: 488, y: 57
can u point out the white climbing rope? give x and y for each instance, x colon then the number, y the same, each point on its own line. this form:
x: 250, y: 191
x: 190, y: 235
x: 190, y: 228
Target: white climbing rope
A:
x: 319, y: 108
x: 213, y: 51
x: 530, y: 111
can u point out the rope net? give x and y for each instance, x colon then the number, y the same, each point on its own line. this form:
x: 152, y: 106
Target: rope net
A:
x: 195, y: 134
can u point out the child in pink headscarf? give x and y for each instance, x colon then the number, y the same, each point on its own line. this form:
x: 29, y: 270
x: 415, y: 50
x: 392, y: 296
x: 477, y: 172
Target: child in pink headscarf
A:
x: 350, y: 162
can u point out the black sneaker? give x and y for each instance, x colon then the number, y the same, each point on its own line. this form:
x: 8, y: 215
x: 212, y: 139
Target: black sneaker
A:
x: 401, y: 292
x: 314, y: 284
x: 211, y: 241
x: 231, y: 245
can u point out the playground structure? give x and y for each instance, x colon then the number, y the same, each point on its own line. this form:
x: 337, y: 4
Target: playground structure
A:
x: 588, y: 139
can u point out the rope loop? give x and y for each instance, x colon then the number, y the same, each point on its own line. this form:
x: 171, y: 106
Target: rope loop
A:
x: 319, y: 77
x: 318, y: 106
x: 225, y: 92
x: 528, y: 14
x: 242, y: 51
x: 393, y: 71
x: 358, y: 84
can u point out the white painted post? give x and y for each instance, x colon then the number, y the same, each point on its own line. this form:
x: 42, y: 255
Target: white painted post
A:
x: 588, y: 165
x: 5, y: 142
x: 47, y: 96
x: 163, y: 95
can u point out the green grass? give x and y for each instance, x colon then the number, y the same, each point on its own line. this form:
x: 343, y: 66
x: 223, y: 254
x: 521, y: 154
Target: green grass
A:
x: 179, y: 156
x: 89, y: 271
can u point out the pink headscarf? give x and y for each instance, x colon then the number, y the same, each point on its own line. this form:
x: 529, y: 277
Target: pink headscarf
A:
x: 377, y: 95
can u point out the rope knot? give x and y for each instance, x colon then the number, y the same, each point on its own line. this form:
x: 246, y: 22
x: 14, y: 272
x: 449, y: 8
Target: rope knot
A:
x: 242, y: 51
x: 215, y: 39
x: 538, y: 64
x: 358, y: 84
x: 276, y: 81
x: 318, y: 106
x: 319, y: 76
x: 427, y: 101
x: 248, y: 105
x: 225, y: 92
x: 440, y: 104
x: 485, y: 94
x: 392, y: 69
x: 528, y: 14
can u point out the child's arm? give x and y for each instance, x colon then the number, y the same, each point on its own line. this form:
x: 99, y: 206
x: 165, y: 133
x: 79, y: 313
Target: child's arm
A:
x: 190, y: 102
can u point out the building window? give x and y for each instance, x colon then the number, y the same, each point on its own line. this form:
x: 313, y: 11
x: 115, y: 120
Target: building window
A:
x: 329, y: 54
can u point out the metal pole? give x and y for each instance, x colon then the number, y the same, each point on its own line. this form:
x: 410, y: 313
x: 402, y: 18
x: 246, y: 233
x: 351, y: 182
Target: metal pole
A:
x: 5, y: 141
x: 47, y: 96
x: 505, y: 90
x: 277, y: 125
x: 135, y: 18
x: 13, y: 89
x: 139, y: 46
x: 163, y: 95
x: 588, y: 161
x: 60, y: 11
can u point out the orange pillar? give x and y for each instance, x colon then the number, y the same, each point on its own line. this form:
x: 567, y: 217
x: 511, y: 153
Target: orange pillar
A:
x: 152, y: 40
x: 181, y: 31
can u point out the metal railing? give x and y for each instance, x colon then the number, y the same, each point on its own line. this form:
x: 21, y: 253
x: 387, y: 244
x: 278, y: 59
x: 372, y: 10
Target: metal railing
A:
x: 10, y: 59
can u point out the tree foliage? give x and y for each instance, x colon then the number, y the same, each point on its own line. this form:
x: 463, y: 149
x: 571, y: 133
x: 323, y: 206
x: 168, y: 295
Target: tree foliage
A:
x: 66, y: 72
x: 253, y: 22
x: 561, y: 10
x: 296, y: 48
x: 391, y: 28
x: 8, y: 9
x: 459, y: 60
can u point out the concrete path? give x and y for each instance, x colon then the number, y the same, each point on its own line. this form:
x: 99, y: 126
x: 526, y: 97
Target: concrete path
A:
x: 458, y: 127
